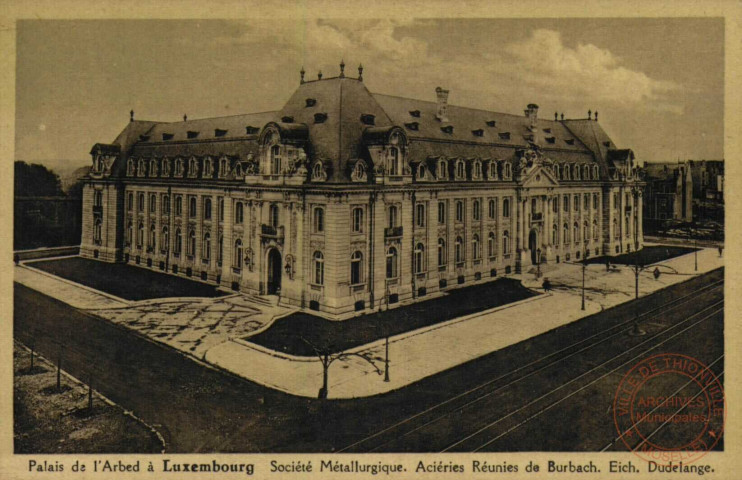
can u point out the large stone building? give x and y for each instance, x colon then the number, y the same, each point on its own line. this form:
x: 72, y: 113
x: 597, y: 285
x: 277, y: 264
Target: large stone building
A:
x: 668, y: 192
x: 344, y: 200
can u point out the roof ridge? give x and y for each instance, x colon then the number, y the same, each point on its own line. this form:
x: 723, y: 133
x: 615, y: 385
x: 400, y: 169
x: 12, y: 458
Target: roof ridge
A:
x: 225, y: 116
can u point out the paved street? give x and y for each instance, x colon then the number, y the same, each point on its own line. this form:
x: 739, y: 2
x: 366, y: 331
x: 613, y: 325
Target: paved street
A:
x: 219, y: 412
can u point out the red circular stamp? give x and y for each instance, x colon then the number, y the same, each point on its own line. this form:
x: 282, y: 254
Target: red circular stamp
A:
x: 670, y: 408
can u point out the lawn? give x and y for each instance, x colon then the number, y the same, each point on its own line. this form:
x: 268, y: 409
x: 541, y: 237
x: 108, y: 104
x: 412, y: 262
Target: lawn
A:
x: 291, y: 334
x: 125, y: 281
x: 647, y: 255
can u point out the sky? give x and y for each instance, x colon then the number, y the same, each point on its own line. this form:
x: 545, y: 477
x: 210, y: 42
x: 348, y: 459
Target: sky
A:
x: 657, y: 83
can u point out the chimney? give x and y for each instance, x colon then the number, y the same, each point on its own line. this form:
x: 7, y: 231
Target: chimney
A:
x: 442, y: 97
x: 556, y: 116
x: 589, y: 114
x: 532, y: 114
x: 562, y: 115
x: 302, y: 72
x: 319, y: 75
x: 596, y: 115
x: 131, y: 116
x: 342, y: 69
x: 185, y: 117
x: 360, y: 72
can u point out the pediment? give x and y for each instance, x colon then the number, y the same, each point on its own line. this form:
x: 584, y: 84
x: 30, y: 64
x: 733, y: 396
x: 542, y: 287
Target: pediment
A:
x: 539, y: 176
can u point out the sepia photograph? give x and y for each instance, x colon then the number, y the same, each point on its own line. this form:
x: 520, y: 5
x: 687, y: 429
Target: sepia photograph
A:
x: 369, y: 235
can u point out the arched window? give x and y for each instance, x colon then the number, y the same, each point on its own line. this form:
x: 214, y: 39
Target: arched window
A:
x: 207, y: 209
x: 460, y: 170
x: 357, y: 220
x: 166, y: 205
x: 576, y: 203
x: 459, y: 250
x: 356, y: 268
x: 391, y: 263
x: 577, y: 172
x: 475, y: 251
x: 491, y: 245
x: 442, y: 257
x: 97, y: 230
x: 554, y: 235
x: 393, y: 216
x: 275, y: 160
x: 492, y: 209
x: 565, y: 233
x: 206, y: 247
x: 152, y: 237
x: 442, y: 174
x: 477, y: 170
x: 319, y: 268
x: 476, y: 210
x: 586, y: 201
x: 419, y: 258
x: 555, y: 204
x: 223, y: 167
x: 394, y: 161
x: 566, y: 203
x: 152, y: 203
x: 566, y: 171
x: 576, y: 232
x: 191, y: 243
x: 153, y: 168
x: 165, y: 239
x: 129, y: 233
x: 239, y: 213
x: 140, y: 207
x: 221, y: 209
x: 178, y: 242
x: 507, y: 170
x: 130, y: 202
x: 131, y: 168
x: 442, y: 213
x: 192, y: 167
x: 319, y: 220
x: 140, y: 235
x: 506, y: 208
x: 165, y: 167
x: 178, y: 205
x: 237, y: 260
x: 192, y: 207
x: 420, y: 214
x: 317, y: 171
x: 421, y: 172
x: 505, y: 242
x: 273, y: 211
x: 595, y: 201
x: 459, y: 211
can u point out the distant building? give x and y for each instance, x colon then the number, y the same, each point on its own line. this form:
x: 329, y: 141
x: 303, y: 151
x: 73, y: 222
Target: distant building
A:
x: 708, y: 189
x: 344, y: 200
x: 668, y: 193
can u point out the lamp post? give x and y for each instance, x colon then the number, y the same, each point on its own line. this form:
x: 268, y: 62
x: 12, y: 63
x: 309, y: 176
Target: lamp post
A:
x: 538, y: 263
x: 636, y: 331
x: 386, y: 360
x: 584, y: 266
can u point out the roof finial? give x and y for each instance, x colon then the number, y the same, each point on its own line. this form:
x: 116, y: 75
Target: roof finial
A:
x: 302, y: 72
x: 360, y: 71
x: 556, y: 116
x: 342, y: 68
x: 185, y: 117
x: 131, y: 116
x: 589, y: 114
x: 319, y: 75
x: 562, y: 115
x: 596, y: 115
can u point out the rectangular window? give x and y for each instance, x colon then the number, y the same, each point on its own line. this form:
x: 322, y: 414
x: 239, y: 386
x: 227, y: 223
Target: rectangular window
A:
x: 420, y: 215
x: 577, y: 203
x: 566, y: 203
x: 442, y: 213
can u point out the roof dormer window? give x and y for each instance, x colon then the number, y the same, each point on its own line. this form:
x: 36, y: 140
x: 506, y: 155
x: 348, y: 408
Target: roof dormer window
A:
x: 249, y: 130
x: 569, y: 141
x: 167, y: 136
x: 478, y: 132
x: 319, y: 118
x: 491, y: 123
x: 550, y: 140
x: 447, y: 129
x: 412, y: 126
x: 191, y: 134
x: 144, y: 138
x: 287, y: 119
x: 311, y: 102
x: 219, y: 133
x: 368, y: 119
x: 415, y: 113
x: 547, y: 130
x: 504, y: 135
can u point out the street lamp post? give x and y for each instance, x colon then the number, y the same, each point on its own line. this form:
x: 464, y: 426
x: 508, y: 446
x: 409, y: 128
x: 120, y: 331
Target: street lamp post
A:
x: 636, y: 331
x: 386, y: 361
x: 584, y: 266
x: 538, y: 263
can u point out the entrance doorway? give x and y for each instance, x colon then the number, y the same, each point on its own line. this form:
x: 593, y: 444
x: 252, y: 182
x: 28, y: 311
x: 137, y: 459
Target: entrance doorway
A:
x: 533, y: 246
x: 274, y: 271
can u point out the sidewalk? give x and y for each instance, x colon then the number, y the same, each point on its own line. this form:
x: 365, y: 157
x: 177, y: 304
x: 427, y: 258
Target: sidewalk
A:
x: 212, y: 329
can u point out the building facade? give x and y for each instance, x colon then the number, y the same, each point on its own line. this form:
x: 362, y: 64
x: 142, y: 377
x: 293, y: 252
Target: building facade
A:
x: 708, y: 189
x: 344, y: 201
x: 668, y: 193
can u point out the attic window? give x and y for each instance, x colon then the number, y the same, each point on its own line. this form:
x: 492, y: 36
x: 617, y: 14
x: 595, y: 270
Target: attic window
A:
x: 311, y: 102
x: 167, y: 136
x: 547, y: 130
x: 412, y: 126
x: 504, y: 135
x: 569, y: 141
x: 478, y: 133
x: 415, y: 113
x: 192, y: 134
x: 219, y: 132
x: 491, y: 123
x: 550, y: 139
x: 607, y: 144
x: 144, y: 138
x: 318, y: 118
x: 251, y: 130
x: 287, y: 119
x: 368, y: 119
x: 447, y: 129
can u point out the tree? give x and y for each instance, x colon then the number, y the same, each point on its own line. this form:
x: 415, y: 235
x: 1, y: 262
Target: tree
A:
x: 34, y: 180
